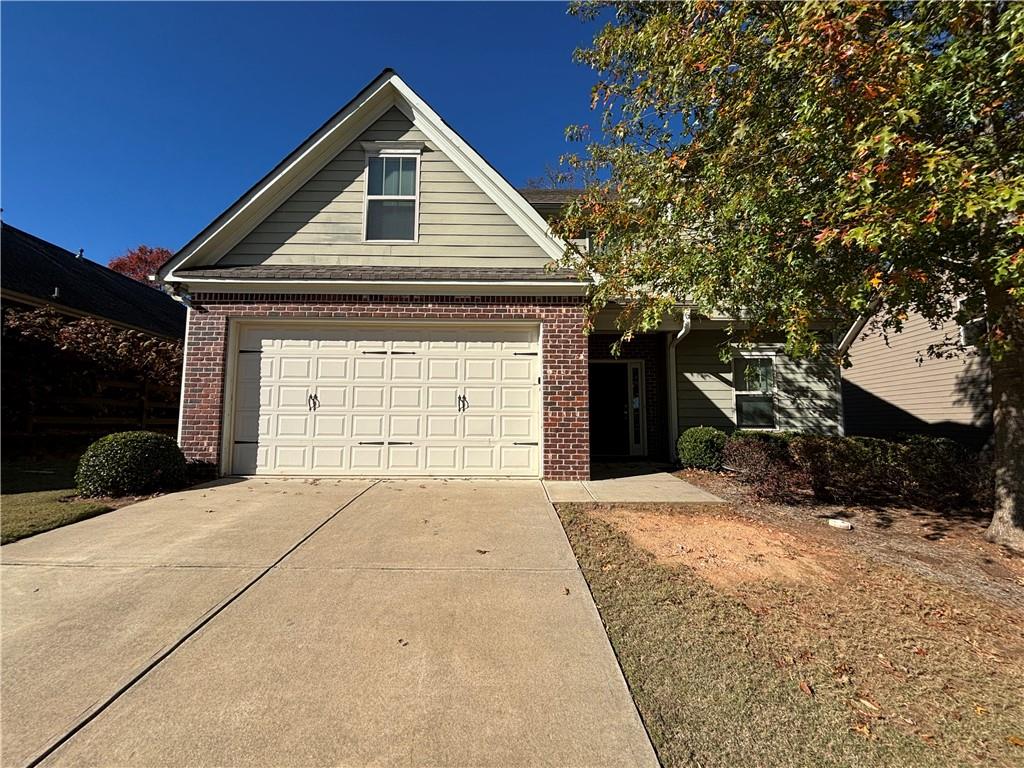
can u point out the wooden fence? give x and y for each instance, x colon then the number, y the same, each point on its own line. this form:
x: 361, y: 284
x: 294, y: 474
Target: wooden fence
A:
x: 116, y: 406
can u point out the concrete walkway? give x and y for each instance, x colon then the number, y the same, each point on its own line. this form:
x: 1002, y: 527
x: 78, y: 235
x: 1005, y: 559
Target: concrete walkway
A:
x: 418, y: 623
x: 644, y: 484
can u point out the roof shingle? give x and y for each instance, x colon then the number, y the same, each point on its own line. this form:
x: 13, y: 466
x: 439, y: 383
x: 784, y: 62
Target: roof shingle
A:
x: 34, y: 267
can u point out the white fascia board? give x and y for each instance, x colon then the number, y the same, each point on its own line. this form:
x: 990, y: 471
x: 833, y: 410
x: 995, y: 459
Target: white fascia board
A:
x: 291, y: 175
x: 504, y: 195
x: 392, y: 288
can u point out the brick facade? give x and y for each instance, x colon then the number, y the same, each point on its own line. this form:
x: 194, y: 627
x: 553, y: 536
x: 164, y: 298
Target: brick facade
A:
x: 564, y: 350
x: 649, y: 347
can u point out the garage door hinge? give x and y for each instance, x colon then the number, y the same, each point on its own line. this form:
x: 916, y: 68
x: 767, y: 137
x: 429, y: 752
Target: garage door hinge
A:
x: 534, y: 443
x: 373, y: 442
x: 401, y: 352
x: 526, y: 354
x: 246, y: 442
x: 249, y: 351
x: 375, y: 351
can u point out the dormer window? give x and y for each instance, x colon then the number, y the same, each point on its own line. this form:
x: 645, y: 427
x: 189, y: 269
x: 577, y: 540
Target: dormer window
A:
x: 392, y: 192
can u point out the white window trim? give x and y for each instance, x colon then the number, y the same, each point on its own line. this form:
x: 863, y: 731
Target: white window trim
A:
x: 391, y: 149
x: 962, y: 327
x: 774, y: 392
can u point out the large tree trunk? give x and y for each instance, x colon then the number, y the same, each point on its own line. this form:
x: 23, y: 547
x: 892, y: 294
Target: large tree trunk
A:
x: 1007, y: 525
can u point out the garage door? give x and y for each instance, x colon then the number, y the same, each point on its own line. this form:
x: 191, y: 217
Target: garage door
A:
x: 388, y: 400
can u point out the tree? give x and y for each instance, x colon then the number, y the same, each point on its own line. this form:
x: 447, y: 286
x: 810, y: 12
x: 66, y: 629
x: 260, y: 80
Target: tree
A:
x: 140, y: 262
x: 797, y: 162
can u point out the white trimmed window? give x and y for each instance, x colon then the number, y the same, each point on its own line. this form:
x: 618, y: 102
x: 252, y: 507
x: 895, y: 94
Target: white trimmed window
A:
x: 753, y: 380
x: 392, y: 195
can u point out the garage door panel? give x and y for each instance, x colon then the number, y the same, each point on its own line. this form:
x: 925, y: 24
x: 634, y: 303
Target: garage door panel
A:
x: 290, y: 457
x: 407, y: 397
x: 293, y: 425
x: 370, y: 368
x: 441, y: 426
x: 479, y: 427
x: 480, y: 398
x: 440, y: 398
x: 405, y: 426
x: 441, y: 459
x: 517, y: 398
x: 407, y: 369
x: 329, y: 425
x: 328, y: 458
x: 400, y: 400
x: 329, y: 368
x: 368, y: 397
x: 367, y: 426
x: 331, y: 398
x: 367, y: 458
x: 290, y: 396
x: 441, y: 369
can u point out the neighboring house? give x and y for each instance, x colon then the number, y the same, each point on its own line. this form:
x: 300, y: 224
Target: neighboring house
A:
x: 895, y: 387
x: 383, y: 302
x: 46, y: 394
x: 35, y: 273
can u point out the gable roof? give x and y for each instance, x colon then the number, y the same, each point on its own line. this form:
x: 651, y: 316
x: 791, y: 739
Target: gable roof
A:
x: 33, y: 268
x: 385, y: 91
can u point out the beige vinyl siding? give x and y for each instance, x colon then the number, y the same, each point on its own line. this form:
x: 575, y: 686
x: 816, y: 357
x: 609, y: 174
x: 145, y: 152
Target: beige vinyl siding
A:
x: 807, y: 394
x: 703, y: 382
x: 899, y: 382
x: 322, y: 222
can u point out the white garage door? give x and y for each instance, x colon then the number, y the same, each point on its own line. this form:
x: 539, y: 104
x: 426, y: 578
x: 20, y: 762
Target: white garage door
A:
x: 388, y: 400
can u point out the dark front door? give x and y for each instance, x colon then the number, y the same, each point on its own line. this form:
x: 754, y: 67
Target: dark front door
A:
x: 609, y: 409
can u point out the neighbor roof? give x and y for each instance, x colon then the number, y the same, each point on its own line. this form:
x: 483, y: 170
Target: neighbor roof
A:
x: 33, y: 267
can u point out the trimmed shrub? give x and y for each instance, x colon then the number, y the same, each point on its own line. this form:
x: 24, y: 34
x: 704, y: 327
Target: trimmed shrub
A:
x: 763, y: 461
x: 130, y: 463
x: 940, y: 472
x: 701, y: 447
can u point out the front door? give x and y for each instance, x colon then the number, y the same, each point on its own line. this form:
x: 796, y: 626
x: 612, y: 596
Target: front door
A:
x: 609, y: 410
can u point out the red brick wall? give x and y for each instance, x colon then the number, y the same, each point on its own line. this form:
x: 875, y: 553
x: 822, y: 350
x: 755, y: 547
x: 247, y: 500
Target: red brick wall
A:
x: 566, y: 423
x: 649, y: 347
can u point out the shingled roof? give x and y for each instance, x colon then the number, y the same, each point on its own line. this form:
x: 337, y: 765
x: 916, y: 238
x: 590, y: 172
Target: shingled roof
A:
x: 32, y: 267
x: 379, y: 274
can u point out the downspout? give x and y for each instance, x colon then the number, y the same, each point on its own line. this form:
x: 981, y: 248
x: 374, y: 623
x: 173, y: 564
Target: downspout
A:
x: 673, y: 395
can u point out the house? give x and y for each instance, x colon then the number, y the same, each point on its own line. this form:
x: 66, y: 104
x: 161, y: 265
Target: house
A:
x: 895, y: 387
x: 384, y: 302
x: 36, y: 273
x: 50, y: 392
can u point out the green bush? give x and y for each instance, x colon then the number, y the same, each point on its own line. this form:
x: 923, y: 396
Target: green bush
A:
x: 940, y: 472
x: 130, y: 463
x: 763, y: 460
x: 931, y: 472
x: 701, y: 447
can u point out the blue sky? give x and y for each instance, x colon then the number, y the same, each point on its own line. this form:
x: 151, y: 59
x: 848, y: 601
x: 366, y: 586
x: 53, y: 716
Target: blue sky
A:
x: 128, y: 123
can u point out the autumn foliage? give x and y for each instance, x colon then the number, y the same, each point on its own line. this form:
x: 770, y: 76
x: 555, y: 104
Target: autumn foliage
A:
x: 98, y: 344
x: 140, y: 262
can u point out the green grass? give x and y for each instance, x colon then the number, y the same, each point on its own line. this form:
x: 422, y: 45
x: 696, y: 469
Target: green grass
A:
x: 37, y: 496
x: 706, y: 676
x: 26, y: 514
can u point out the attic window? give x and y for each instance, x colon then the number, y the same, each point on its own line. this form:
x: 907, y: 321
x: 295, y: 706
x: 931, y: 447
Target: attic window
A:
x: 392, y: 199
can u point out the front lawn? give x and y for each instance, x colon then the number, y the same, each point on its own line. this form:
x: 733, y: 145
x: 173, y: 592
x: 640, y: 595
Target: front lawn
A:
x: 39, y: 495
x: 752, y: 638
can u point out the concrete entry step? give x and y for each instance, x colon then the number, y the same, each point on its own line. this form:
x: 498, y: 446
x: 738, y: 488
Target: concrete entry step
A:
x: 629, y: 484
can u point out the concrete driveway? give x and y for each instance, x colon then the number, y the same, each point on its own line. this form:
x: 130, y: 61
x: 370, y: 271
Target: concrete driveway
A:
x: 413, y: 623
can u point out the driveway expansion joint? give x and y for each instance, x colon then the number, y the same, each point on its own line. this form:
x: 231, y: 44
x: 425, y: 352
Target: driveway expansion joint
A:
x: 168, y: 650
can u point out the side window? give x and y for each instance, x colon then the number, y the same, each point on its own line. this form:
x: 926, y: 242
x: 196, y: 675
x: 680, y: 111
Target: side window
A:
x: 754, y: 383
x: 970, y: 317
x: 392, y: 204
